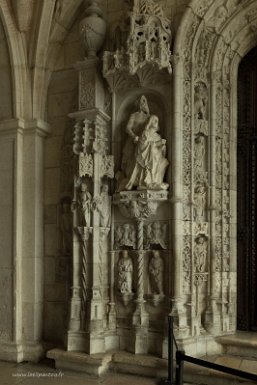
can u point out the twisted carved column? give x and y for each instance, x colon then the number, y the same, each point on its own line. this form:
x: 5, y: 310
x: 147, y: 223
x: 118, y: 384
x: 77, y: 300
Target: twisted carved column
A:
x: 112, y: 310
x: 140, y: 235
x: 84, y: 233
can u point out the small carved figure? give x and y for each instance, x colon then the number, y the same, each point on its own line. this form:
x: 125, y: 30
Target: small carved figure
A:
x: 125, y: 273
x: 156, y: 273
x: 200, y: 202
x: 200, y: 253
x: 85, y: 199
x: 119, y: 58
x: 125, y: 236
x: 156, y: 234
x: 103, y: 205
x: 128, y: 236
x: 117, y: 237
x: 149, y: 162
x: 66, y: 227
x: 200, y: 101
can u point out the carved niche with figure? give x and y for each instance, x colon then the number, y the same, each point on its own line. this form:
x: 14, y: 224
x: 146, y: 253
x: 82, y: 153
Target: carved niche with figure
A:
x: 144, y: 160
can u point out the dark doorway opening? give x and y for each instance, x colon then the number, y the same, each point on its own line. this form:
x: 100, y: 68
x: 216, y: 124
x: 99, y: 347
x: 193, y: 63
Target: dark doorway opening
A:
x: 247, y: 194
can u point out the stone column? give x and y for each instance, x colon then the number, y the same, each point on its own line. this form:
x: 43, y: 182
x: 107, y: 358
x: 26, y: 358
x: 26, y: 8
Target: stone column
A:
x: 177, y: 310
x: 212, y: 316
x: 112, y: 310
x: 140, y: 319
x: 21, y: 239
x: 32, y: 237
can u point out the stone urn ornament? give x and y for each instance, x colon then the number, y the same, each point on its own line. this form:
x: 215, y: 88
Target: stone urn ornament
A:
x: 93, y: 28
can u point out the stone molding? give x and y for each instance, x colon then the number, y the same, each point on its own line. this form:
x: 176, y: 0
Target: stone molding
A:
x: 209, y: 44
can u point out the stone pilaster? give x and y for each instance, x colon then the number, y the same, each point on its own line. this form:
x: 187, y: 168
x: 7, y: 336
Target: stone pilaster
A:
x: 22, y: 207
x: 91, y: 212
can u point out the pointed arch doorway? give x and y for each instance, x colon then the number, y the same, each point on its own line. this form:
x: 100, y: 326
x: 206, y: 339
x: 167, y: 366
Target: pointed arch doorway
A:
x: 247, y: 194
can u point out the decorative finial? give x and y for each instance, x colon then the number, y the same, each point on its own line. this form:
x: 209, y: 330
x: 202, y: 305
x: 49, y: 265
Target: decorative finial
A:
x: 93, y: 28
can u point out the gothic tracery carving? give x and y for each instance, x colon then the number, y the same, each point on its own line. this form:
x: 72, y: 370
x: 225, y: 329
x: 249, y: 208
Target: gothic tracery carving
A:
x: 142, y: 38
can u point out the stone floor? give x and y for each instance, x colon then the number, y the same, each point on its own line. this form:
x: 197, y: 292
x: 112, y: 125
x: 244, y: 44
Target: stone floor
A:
x: 44, y: 373
x: 240, y: 353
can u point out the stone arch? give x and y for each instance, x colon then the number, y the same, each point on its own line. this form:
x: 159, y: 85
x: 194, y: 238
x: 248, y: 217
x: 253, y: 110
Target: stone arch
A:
x: 212, y: 38
x: 18, y: 61
x: 52, y: 29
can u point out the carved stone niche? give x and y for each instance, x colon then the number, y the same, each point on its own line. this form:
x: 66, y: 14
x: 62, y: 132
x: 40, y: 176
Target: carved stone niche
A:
x: 142, y: 38
x: 142, y: 145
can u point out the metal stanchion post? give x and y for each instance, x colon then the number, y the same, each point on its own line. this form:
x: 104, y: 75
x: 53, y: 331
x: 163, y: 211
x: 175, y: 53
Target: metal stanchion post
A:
x: 170, y: 349
x: 179, y: 367
x: 169, y: 380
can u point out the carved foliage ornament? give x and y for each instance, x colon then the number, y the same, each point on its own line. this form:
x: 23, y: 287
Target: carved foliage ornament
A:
x: 85, y: 165
x: 107, y: 166
x: 139, y: 205
x: 87, y: 90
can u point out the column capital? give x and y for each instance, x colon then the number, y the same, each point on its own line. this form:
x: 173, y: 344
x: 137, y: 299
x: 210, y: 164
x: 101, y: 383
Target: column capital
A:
x: 22, y: 126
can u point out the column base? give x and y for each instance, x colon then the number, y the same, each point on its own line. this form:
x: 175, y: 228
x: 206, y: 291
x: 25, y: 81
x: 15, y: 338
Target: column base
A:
x: 16, y: 352
x: 212, y: 322
x: 139, y: 341
x: 85, y: 342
